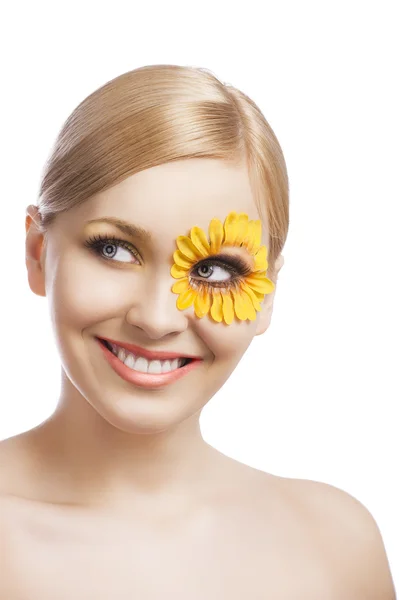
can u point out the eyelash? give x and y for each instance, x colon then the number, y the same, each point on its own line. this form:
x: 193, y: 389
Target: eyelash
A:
x: 98, y: 242
x: 234, y: 264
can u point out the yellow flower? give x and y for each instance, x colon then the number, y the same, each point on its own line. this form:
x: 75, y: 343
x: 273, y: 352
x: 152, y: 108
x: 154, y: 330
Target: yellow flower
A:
x: 242, y: 294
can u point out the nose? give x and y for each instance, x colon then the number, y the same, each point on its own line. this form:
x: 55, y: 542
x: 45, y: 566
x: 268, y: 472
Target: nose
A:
x: 154, y: 310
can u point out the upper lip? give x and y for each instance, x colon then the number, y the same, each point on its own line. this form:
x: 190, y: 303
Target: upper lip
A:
x: 149, y: 354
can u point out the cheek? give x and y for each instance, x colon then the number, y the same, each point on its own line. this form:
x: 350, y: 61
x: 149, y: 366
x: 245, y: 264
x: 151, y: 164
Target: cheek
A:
x: 83, y: 293
x: 227, y: 342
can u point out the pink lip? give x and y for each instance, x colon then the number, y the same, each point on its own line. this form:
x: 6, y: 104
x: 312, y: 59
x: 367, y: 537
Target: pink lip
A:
x: 146, y: 380
x: 160, y: 355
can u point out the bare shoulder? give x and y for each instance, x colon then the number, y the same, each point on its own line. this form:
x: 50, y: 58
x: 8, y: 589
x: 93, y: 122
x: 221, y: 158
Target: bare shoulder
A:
x: 348, y: 535
x: 8, y: 460
x: 16, y: 473
x: 12, y: 461
x: 9, y: 464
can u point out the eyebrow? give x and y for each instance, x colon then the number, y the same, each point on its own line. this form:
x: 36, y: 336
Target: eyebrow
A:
x: 128, y: 228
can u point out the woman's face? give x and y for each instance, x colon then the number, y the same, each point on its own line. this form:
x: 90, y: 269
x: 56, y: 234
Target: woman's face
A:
x: 124, y: 293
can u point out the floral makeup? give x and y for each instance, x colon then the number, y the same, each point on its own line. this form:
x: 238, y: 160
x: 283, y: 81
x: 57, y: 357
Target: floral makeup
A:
x: 216, y: 276
x: 112, y: 280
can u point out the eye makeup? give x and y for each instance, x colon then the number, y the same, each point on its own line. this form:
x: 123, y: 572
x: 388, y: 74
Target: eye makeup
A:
x: 97, y: 243
x: 237, y: 267
x: 240, y: 296
x: 129, y: 229
x: 223, y: 275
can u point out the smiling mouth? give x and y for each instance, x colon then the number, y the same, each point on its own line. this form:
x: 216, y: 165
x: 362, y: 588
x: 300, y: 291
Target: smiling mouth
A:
x: 142, y: 364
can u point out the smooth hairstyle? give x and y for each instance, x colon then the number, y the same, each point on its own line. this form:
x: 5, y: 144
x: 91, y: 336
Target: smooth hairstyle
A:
x: 157, y: 114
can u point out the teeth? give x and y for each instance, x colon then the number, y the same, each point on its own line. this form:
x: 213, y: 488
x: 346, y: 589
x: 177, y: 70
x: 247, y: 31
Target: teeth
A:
x: 141, y: 364
x: 155, y: 366
x: 165, y: 366
x: 176, y: 362
x: 129, y: 360
x: 122, y: 354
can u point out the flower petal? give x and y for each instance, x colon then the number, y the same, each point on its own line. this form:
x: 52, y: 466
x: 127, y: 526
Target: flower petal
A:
x: 261, y: 263
x: 228, y: 308
x: 258, y: 275
x: 242, y: 228
x: 187, y: 248
x: 180, y: 286
x: 254, y: 236
x: 249, y: 307
x: 216, y: 235
x: 255, y: 298
x: 258, y: 295
x: 230, y: 229
x: 202, y: 304
x: 257, y: 235
x: 200, y: 241
x: 186, y: 299
x: 263, y: 284
x: 216, y: 309
x: 178, y: 272
x: 181, y: 260
x: 239, y: 304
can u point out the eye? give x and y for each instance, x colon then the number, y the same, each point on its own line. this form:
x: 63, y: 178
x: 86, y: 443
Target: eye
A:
x: 213, y: 273
x: 112, y: 248
x: 220, y: 271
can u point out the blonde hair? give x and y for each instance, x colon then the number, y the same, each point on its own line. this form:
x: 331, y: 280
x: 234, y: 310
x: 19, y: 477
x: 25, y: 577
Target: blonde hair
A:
x: 157, y: 114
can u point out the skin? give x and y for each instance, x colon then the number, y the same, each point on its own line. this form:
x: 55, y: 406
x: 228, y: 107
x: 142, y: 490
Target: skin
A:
x: 119, y: 481
x: 110, y: 431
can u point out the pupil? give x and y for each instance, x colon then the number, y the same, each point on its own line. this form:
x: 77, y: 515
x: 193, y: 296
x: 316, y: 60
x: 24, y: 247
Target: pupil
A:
x: 109, y: 249
x: 207, y: 269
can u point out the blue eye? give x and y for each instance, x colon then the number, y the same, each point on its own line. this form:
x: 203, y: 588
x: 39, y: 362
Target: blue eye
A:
x: 103, y: 246
x: 235, y: 269
x: 207, y: 271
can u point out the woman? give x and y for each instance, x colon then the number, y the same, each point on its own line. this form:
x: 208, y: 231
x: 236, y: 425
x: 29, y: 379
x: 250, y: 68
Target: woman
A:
x: 157, y: 241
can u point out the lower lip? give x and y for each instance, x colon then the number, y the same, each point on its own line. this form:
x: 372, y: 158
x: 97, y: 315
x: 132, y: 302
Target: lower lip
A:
x: 150, y: 380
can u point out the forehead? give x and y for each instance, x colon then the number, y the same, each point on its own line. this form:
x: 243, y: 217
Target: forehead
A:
x: 169, y: 199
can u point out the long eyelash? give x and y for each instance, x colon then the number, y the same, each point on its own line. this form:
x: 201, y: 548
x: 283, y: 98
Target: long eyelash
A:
x: 97, y: 243
x: 234, y: 264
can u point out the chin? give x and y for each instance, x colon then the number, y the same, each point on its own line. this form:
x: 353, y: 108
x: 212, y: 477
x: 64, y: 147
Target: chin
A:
x: 137, y: 413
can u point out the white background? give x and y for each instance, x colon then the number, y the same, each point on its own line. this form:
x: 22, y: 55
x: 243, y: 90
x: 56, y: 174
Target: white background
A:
x: 315, y: 397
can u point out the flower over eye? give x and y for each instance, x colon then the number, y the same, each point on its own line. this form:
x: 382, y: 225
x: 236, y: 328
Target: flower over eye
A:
x: 241, y: 292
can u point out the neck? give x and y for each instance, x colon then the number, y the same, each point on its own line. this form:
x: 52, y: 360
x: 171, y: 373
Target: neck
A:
x: 85, y: 458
